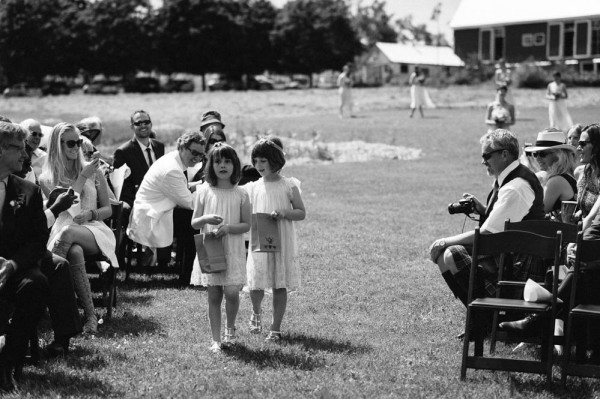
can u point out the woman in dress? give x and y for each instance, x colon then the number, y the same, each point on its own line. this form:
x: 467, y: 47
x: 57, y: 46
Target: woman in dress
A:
x: 419, y: 97
x: 344, y: 83
x: 79, y: 231
x: 500, y: 114
x: 502, y: 78
x: 557, y: 108
x: 557, y: 159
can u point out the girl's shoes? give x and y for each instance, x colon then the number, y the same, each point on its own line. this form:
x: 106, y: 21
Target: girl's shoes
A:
x: 215, y: 347
x: 274, y: 336
x: 229, y: 337
x: 255, y: 323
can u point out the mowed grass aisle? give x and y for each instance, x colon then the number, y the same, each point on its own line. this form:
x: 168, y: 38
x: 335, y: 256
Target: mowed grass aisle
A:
x: 373, y: 319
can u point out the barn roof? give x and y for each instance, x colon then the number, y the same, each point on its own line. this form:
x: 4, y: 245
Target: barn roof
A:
x: 419, y: 54
x: 476, y: 13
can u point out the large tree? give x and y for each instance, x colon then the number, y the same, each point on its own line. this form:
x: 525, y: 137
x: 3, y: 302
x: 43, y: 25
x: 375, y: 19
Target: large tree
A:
x: 374, y: 24
x: 314, y: 35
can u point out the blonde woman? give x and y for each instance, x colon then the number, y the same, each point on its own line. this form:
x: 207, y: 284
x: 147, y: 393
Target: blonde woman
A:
x: 78, y: 231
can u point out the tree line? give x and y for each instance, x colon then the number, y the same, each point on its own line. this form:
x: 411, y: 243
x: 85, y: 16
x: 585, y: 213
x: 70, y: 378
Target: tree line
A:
x: 233, y: 37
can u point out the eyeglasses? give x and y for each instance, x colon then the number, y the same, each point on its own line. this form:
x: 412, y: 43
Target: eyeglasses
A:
x: 539, y: 154
x: 36, y: 134
x: 583, y: 143
x: 488, y: 155
x: 195, y: 153
x: 215, y: 141
x: 73, y: 143
x: 140, y: 123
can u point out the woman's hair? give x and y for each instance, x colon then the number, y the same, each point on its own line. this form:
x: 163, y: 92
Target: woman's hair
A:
x: 575, y: 128
x: 556, y: 74
x: 501, y: 139
x: 593, y: 132
x: 271, y: 149
x: 55, y: 170
x: 218, y: 152
x: 213, y: 130
x: 564, y: 163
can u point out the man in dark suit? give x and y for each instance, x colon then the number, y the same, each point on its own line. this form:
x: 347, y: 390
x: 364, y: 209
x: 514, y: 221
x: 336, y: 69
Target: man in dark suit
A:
x: 23, y: 238
x: 138, y: 154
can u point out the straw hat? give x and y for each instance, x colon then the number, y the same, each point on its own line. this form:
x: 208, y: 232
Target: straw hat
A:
x: 550, y: 139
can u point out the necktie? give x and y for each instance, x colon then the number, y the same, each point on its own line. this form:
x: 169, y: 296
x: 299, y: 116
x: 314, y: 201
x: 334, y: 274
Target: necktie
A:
x: 2, y: 197
x: 493, y: 197
x: 185, y: 174
x: 149, y: 151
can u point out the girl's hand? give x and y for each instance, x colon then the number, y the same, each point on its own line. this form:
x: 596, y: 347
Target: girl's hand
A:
x: 279, y: 215
x: 90, y: 169
x: 222, y: 231
x: 213, y: 219
x: 83, y: 217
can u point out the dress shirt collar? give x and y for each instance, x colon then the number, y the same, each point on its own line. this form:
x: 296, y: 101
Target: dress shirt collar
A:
x: 512, y: 166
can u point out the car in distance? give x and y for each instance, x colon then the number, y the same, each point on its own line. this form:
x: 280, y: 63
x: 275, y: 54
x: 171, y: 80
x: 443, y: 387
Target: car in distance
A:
x: 145, y: 84
x: 22, y: 89
x: 102, y: 86
x: 55, y: 88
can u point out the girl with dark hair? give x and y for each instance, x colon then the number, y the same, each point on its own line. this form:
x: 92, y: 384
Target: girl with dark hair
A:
x: 223, y: 209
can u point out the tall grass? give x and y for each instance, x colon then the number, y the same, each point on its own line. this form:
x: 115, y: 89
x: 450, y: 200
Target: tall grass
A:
x: 373, y: 318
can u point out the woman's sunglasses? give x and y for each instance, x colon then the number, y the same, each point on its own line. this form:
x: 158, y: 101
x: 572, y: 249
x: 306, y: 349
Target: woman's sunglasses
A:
x: 73, y: 143
x: 582, y: 143
x: 539, y: 154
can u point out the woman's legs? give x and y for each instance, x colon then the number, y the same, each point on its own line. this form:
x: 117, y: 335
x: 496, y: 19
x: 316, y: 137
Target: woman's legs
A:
x: 215, y: 297
x: 232, y: 304
x: 279, y: 306
x: 256, y: 296
x: 421, y: 111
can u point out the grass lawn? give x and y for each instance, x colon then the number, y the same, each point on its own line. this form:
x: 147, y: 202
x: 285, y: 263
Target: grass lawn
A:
x: 374, y: 317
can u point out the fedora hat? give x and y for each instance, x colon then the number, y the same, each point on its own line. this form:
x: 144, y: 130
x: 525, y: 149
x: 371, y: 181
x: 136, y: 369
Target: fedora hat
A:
x: 211, y: 117
x: 550, y: 139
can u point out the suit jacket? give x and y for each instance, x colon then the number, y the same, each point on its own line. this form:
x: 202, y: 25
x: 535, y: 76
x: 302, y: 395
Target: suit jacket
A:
x: 23, y: 232
x: 164, y: 187
x: 131, y: 153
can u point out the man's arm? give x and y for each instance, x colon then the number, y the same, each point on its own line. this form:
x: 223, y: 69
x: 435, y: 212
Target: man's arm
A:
x: 174, y: 186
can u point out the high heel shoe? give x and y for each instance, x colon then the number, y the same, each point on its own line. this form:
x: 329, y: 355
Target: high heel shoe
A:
x: 255, y: 323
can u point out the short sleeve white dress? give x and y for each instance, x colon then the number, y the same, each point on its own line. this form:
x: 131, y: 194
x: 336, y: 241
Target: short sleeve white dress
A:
x: 267, y: 270
x: 226, y: 203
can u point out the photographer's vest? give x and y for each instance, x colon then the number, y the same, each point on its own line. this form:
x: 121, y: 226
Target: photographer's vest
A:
x: 536, y: 211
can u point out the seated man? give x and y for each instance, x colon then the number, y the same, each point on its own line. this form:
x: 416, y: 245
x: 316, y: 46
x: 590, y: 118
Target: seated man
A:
x: 23, y: 238
x: 517, y: 195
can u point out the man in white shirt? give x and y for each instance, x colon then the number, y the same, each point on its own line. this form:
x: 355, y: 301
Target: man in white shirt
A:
x: 517, y: 195
x: 163, y: 188
x: 33, y: 140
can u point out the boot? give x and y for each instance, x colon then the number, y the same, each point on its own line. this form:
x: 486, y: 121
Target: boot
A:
x: 83, y: 290
x: 526, y: 325
x: 61, y: 248
x: 455, y: 287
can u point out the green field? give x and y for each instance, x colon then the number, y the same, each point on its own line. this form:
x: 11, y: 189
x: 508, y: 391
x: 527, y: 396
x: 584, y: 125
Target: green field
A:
x: 374, y: 317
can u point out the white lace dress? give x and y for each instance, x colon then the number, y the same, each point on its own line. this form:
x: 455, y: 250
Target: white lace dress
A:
x: 557, y: 109
x: 104, y: 236
x: 274, y: 269
x: 226, y: 203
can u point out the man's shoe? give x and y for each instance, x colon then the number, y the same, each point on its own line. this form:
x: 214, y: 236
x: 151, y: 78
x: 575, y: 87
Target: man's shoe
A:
x: 55, y: 349
x: 526, y: 325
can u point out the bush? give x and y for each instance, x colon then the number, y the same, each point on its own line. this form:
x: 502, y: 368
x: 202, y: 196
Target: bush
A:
x: 531, y: 76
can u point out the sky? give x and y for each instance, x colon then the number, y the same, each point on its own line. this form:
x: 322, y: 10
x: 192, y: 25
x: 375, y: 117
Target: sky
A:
x: 421, y: 11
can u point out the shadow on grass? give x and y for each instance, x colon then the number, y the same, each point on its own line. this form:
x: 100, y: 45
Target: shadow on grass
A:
x: 129, y: 324
x: 44, y: 383
x: 155, y: 281
x: 275, y: 358
x: 324, y: 344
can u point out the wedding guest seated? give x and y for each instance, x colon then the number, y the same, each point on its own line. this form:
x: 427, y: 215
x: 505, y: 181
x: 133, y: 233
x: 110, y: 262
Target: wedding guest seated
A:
x: 33, y: 140
x: 23, y: 237
x: 557, y: 159
x: 91, y: 127
x: 80, y: 232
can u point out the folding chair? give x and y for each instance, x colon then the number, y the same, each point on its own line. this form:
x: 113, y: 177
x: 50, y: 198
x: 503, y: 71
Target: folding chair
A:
x: 108, y: 278
x: 587, y: 251
x: 500, y: 244
x: 546, y: 228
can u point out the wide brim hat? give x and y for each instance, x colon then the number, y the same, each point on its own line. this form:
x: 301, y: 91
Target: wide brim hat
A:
x: 550, y: 141
x: 211, y: 117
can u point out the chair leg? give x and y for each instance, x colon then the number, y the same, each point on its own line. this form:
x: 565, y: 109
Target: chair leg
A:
x: 566, y: 352
x: 112, y: 295
x: 494, y: 331
x: 129, y: 246
x: 465, y: 354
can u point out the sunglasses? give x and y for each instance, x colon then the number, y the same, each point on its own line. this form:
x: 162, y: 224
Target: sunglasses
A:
x: 73, y: 143
x: 488, y: 155
x: 140, y: 123
x: 539, y: 154
x: 583, y: 143
x: 36, y: 134
x: 195, y: 153
x: 91, y: 134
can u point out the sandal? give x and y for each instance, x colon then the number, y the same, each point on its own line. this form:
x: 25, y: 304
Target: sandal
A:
x: 255, y: 323
x: 274, y: 336
x: 229, y: 337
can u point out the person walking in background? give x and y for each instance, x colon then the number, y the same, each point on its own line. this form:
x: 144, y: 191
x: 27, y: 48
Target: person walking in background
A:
x: 500, y: 114
x: 344, y: 83
x: 418, y: 95
x: 223, y: 209
x: 557, y: 107
x: 280, y: 197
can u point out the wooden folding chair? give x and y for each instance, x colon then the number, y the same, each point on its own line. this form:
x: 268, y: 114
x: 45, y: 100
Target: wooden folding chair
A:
x: 546, y: 228
x: 587, y: 259
x: 108, y: 278
x: 500, y: 244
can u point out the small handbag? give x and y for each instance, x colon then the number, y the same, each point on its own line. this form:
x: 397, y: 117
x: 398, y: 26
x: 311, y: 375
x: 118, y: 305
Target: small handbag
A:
x: 211, y: 253
x: 265, y: 233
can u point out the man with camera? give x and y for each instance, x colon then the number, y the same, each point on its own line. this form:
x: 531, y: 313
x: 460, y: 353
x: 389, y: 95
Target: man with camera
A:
x: 517, y: 195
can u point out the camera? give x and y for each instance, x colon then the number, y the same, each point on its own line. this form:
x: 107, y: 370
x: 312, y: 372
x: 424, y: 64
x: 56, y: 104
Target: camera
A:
x: 466, y: 206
